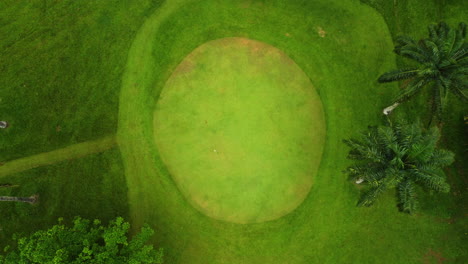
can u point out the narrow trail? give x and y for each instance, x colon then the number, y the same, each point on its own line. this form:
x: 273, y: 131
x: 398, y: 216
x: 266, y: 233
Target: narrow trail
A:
x: 68, y: 153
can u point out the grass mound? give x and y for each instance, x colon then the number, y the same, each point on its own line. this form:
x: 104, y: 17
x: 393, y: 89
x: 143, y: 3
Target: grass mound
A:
x: 241, y: 129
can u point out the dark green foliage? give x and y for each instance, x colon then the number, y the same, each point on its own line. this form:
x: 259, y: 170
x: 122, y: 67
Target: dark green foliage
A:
x: 399, y: 156
x: 85, y: 242
x: 443, y: 65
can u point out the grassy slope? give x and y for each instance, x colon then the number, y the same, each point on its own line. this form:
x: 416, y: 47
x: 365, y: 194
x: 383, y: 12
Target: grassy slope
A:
x: 60, y: 68
x: 327, y: 228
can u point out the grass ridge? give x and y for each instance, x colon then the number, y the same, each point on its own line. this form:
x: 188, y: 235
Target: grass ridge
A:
x: 47, y: 158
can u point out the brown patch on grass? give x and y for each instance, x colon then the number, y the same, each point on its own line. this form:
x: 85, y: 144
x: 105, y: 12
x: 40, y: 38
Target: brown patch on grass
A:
x: 222, y: 90
x: 301, y: 189
x: 322, y: 33
x: 450, y: 220
x: 185, y: 67
x: 246, y: 4
x: 432, y: 256
x: 204, y: 203
x: 287, y: 34
x: 257, y: 48
x: 243, y: 41
x: 286, y: 59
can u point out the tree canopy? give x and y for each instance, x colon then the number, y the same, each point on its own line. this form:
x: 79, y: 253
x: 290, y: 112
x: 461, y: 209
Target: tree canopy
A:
x: 84, y: 242
x: 400, y: 156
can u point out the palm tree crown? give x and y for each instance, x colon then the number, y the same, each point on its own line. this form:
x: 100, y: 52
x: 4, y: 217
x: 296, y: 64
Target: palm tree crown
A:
x: 399, y: 156
x: 443, y: 59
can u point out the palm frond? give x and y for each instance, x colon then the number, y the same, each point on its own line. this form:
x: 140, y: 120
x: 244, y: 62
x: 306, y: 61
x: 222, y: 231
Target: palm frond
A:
x: 431, y: 46
x: 387, y: 136
x: 459, y: 71
x: 371, y: 137
x: 461, y: 62
x: 361, y: 151
x: 459, y: 85
x: 442, y: 29
x: 441, y: 158
x: 462, y: 29
x: 422, y: 152
x: 404, y: 40
x: 407, y: 197
x: 433, y: 32
x: 398, y: 160
x: 372, y: 173
x: 438, y: 101
x: 393, y: 176
x: 411, y: 89
x: 408, y: 134
x: 449, y: 43
x: 407, y: 47
x: 458, y: 92
x: 430, y: 179
x: 369, y: 197
x: 460, y: 54
x: 410, y: 53
x: 397, y: 75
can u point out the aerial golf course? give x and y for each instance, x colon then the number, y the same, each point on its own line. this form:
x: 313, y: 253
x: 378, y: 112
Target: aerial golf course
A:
x: 220, y: 124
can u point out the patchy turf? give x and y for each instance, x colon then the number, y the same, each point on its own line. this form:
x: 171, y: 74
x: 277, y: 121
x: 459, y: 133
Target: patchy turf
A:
x: 241, y: 130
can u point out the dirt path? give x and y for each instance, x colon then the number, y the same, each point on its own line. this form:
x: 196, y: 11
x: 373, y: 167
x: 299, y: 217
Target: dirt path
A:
x: 68, y: 153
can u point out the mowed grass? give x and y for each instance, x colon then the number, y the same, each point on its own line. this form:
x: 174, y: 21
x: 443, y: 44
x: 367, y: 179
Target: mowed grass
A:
x: 343, y: 48
x: 61, y: 66
x: 241, y: 130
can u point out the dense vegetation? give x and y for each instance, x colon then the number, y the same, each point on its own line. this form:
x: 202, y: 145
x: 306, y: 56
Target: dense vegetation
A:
x: 84, y: 242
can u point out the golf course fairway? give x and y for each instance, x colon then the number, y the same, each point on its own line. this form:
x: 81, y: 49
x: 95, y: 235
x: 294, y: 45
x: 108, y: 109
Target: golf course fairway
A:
x: 220, y: 125
x: 241, y: 130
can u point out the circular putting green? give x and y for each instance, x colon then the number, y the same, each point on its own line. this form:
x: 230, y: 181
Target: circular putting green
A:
x: 241, y: 130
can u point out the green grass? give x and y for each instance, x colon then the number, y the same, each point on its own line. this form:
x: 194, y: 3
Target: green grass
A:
x: 60, y: 68
x: 62, y: 64
x: 241, y: 130
x: 92, y: 187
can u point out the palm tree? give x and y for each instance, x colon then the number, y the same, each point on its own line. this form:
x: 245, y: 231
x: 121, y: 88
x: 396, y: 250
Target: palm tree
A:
x: 398, y: 156
x: 443, y: 60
